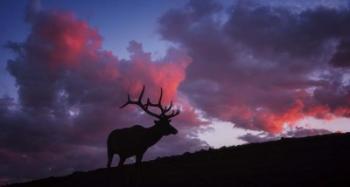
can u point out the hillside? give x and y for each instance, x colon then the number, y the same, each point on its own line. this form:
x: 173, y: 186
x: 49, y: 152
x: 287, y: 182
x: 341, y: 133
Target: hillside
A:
x: 310, y: 161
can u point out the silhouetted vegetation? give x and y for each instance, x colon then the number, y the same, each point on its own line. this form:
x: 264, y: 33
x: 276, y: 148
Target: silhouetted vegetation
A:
x: 311, y: 161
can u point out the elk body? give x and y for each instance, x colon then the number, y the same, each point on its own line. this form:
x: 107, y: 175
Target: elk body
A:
x: 135, y: 141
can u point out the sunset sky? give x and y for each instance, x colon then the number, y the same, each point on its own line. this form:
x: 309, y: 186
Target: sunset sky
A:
x: 239, y: 71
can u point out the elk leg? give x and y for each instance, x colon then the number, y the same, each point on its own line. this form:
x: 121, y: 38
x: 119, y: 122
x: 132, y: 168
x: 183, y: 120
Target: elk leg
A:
x: 110, y: 158
x: 139, y: 159
x: 121, y: 161
x: 138, y: 169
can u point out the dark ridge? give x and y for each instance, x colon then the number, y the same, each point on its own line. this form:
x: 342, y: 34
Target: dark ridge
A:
x: 311, y: 161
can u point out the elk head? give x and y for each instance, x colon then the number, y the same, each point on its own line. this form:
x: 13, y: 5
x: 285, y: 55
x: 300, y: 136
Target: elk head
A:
x: 163, y: 118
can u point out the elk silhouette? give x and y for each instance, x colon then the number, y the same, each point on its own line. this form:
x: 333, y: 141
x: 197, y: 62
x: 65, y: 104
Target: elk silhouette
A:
x: 135, y: 140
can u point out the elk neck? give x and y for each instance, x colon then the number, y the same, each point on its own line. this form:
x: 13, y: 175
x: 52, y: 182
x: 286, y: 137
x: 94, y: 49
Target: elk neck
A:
x: 155, y: 134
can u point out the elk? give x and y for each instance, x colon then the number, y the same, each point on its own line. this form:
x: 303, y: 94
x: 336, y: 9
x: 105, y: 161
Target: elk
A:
x: 135, y: 140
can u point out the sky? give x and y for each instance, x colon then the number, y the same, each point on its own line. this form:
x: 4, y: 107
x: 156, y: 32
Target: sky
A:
x: 239, y: 71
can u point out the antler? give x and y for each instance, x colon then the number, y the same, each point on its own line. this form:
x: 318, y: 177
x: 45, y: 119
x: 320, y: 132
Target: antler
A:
x: 144, y: 107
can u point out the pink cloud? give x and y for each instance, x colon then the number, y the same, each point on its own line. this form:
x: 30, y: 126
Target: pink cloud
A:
x: 263, y: 68
x: 70, y: 90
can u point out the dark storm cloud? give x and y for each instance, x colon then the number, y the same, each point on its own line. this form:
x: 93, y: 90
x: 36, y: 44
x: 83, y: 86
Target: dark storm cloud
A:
x: 342, y: 56
x: 257, y: 66
x: 281, y: 31
x: 70, y: 90
x: 261, y: 66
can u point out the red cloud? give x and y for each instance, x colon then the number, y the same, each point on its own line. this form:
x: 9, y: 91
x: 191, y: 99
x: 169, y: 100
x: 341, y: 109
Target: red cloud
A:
x: 167, y: 73
x: 320, y: 111
x: 238, y: 73
x: 261, y: 73
x: 62, y: 47
x: 62, y: 40
x: 70, y: 89
x: 274, y: 122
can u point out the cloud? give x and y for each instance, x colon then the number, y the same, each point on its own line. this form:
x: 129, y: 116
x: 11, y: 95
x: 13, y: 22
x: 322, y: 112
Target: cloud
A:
x: 70, y: 90
x: 263, y: 67
x: 342, y: 58
x: 260, y: 67
x: 296, y: 132
x: 279, y: 30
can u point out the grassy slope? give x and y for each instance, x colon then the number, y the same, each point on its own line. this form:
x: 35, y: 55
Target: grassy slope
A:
x: 312, y: 161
